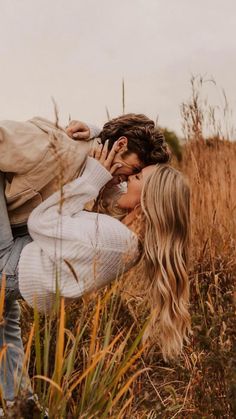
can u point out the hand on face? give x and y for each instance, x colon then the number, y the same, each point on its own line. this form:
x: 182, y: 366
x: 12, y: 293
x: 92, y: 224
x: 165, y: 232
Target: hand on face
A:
x: 124, y: 164
x: 106, y: 157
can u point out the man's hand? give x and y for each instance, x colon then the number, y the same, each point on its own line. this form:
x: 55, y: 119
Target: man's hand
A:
x: 78, y: 130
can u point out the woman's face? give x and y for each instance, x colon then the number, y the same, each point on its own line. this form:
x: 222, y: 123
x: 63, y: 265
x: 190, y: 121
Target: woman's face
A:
x: 135, y: 184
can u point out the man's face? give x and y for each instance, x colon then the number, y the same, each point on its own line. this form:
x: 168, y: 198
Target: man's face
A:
x: 130, y: 165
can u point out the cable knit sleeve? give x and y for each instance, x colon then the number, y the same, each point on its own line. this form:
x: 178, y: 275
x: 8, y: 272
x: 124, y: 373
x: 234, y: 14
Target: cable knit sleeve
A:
x: 94, y: 130
x: 75, y: 250
x: 44, y: 219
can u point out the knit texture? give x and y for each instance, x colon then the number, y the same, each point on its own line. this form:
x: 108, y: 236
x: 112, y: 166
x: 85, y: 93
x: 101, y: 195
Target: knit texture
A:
x: 76, y: 250
x: 94, y: 130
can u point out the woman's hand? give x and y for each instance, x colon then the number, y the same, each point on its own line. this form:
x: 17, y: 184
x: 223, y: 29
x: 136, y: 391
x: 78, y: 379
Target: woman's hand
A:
x: 106, y: 157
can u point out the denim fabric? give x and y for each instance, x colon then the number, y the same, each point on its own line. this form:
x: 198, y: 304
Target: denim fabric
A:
x: 12, y: 376
x: 8, y: 264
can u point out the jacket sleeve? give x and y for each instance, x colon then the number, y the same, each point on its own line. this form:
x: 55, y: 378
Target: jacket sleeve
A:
x: 69, y: 201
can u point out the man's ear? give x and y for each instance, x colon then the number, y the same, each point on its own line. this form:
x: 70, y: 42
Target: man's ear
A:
x: 122, y: 144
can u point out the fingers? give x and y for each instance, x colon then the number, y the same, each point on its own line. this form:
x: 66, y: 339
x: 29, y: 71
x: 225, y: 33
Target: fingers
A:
x: 94, y: 150
x: 82, y: 135
x: 105, y: 157
x: 69, y: 133
x: 78, y: 130
x: 98, y: 152
x: 73, y: 127
x: 114, y: 167
x: 104, y: 152
x: 112, y: 153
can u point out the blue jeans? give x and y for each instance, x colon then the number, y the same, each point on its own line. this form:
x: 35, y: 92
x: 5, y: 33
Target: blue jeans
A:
x: 12, y: 377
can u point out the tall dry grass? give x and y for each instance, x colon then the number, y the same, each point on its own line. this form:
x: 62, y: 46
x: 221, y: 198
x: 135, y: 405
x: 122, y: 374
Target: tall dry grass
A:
x: 87, y: 361
x: 202, y: 383
x: 210, y: 166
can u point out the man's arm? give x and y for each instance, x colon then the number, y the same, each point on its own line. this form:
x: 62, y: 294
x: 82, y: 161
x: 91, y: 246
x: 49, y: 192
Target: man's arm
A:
x: 24, y: 144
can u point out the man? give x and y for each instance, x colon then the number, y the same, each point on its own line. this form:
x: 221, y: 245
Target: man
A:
x: 37, y: 157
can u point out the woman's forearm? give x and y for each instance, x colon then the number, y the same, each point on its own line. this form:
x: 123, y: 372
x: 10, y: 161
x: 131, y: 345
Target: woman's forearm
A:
x: 70, y: 201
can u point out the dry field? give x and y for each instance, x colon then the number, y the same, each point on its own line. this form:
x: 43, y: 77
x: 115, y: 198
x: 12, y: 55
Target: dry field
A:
x: 88, y: 360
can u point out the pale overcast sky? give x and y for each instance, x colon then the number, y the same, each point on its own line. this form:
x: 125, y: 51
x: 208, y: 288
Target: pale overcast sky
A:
x: 78, y: 51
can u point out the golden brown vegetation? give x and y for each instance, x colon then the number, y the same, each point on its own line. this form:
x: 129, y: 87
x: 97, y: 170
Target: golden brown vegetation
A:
x: 199, y: 384
x: 203, y: 382
x: 91, y: 364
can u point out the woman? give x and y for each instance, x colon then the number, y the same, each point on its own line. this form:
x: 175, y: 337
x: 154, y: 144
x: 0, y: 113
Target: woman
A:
x: 78, y: 251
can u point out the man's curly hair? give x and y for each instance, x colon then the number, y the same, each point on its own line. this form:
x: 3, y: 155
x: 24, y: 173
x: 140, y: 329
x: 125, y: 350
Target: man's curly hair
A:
x: 144, y: 139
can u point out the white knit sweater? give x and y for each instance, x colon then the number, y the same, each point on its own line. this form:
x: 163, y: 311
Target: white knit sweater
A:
x: 78, y: 250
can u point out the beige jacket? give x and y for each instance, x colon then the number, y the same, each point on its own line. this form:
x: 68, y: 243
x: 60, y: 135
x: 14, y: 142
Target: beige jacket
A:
x: 37, y: 158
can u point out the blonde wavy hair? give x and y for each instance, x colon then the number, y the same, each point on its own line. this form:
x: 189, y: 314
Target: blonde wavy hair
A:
x: 165, y: 205
x: 163, y: 227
